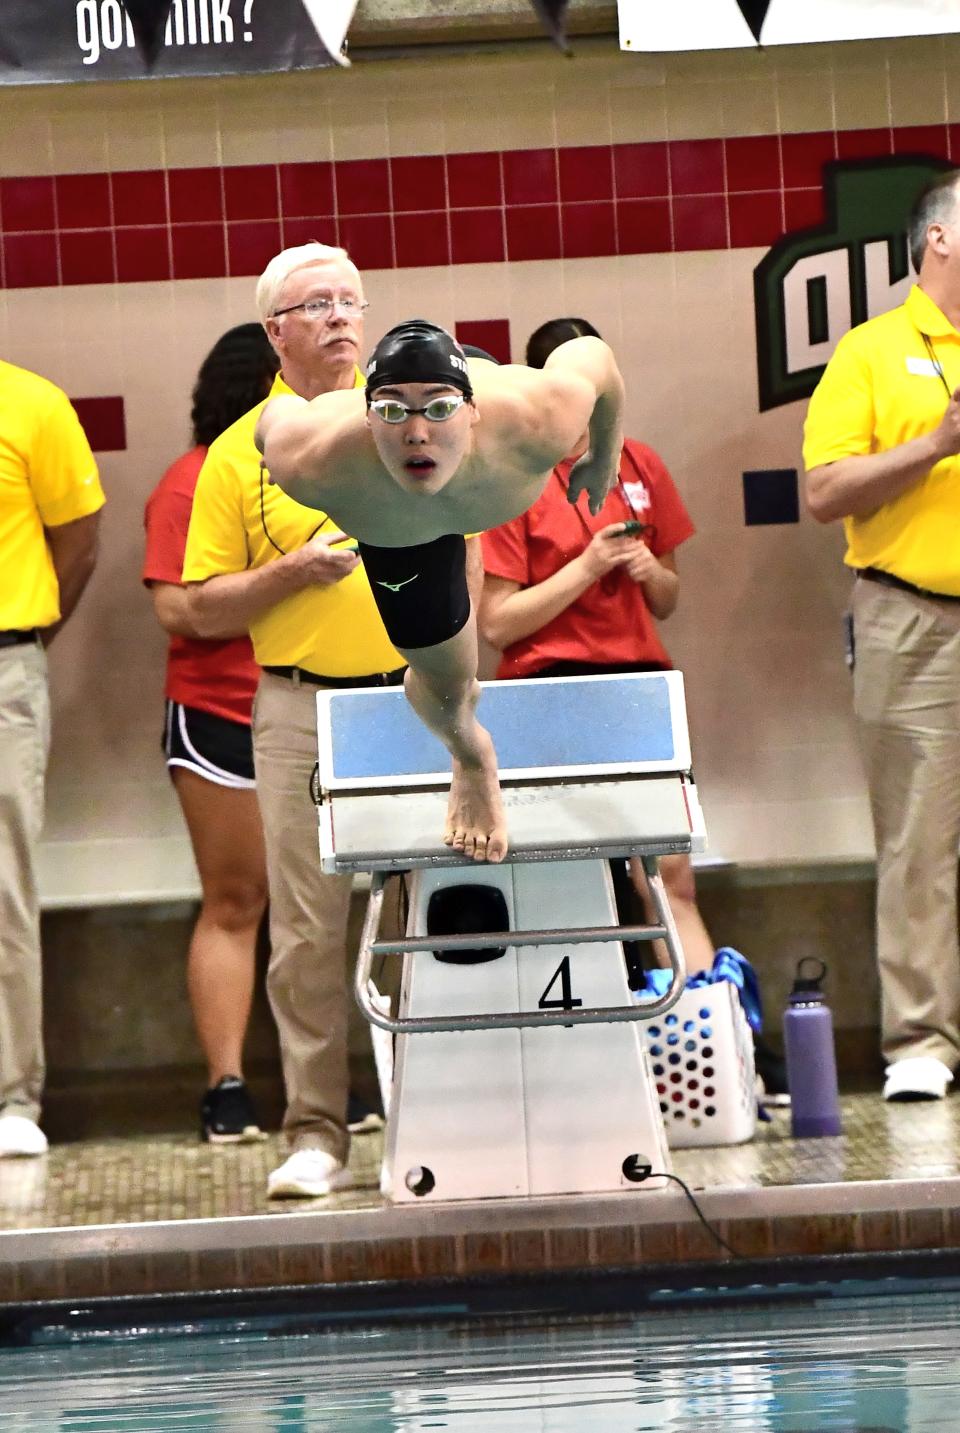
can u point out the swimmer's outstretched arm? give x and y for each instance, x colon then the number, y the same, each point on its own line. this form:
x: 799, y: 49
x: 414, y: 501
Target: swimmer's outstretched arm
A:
x: 589, y: 384
x: 303, y: 443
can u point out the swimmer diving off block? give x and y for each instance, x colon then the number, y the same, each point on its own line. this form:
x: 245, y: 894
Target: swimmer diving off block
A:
x: 438, y: 447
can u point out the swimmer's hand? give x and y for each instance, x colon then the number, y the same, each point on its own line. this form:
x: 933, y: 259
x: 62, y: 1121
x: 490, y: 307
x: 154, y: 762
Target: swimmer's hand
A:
x: 594, y: 474
x: 275, y: 409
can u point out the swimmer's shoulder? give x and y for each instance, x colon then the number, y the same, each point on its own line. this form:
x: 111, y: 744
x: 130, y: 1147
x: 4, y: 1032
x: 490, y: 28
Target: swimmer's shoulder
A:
x: 509, y: 390
x: 485, y: 373
x: 527, y: 384
x: 339, y: 406
x: 339, y: 415
x: 339, y: 428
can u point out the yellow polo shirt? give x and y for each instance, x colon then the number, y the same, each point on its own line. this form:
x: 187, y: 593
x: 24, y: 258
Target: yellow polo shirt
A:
x: 880, y: 389
x: 48, y: 477
x: 240, y: 521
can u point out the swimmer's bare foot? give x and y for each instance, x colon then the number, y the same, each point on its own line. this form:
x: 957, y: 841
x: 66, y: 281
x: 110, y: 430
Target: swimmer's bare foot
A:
x: 476, y: 824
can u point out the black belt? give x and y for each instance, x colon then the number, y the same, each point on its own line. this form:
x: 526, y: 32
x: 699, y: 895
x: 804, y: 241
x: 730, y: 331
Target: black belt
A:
x: 18, y: 639
x: 373, y: 679
x: 887, y: 579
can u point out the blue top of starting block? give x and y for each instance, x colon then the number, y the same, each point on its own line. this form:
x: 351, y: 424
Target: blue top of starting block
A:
x: 559, y: 726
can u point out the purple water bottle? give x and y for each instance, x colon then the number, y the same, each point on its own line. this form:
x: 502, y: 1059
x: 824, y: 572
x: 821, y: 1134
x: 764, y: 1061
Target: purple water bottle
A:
x: 811, y: 1061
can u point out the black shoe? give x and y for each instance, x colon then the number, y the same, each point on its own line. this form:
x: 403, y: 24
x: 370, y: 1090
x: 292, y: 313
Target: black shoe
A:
x: 771, y: 1070
x: 361, y: 1119
x: 227, y: 1115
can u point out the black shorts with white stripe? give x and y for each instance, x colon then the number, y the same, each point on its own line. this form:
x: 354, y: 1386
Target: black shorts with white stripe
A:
x: 219, y: 750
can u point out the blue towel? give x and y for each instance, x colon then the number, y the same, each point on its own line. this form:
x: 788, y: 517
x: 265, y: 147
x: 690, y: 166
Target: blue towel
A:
x: 728, y: 964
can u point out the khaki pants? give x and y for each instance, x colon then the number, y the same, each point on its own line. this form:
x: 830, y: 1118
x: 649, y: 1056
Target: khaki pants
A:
x: 306, y: 979
x: 907, y: 702
x: 24, y: 747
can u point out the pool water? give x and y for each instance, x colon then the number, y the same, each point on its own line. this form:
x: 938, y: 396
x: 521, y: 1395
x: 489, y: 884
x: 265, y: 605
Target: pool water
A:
x: 882, y: 1363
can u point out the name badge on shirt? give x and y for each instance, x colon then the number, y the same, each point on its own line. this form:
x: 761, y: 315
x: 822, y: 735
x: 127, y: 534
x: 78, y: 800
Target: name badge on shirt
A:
x: 637, y: 496
x: 922, y: 367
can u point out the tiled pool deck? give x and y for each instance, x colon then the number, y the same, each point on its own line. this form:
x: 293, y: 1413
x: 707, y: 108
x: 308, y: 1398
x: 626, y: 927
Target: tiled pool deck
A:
x: 167, y: 1214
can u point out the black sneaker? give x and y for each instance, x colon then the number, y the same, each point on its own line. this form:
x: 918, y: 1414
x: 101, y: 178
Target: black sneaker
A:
x: 361, y: 1119
x: 227, y: 1115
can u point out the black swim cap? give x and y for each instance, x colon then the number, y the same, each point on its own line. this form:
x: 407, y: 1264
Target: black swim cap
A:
x: 418, y: 352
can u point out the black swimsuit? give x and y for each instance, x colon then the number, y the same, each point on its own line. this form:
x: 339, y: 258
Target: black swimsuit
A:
x: 420, y: 591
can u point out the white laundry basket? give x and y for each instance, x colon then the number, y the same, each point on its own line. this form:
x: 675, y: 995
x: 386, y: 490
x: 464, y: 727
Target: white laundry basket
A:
x: 701, y: 1056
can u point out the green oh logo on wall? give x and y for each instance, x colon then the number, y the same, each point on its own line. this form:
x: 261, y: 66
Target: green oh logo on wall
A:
x: 814, y: 285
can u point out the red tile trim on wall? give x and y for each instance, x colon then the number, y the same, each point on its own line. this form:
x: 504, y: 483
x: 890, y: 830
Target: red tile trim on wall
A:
x: 577, y: 202
x: 103, y: 422
x: 491, y: 334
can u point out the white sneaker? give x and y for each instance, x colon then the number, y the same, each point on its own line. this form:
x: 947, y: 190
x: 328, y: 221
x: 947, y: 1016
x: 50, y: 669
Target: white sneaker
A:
x: 923, y: 1077
x: 21, y: 1137
x: 307, y: 1174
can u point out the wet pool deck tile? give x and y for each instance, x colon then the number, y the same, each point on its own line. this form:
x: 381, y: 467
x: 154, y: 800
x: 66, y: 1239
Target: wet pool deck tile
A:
x: 161, y: 1214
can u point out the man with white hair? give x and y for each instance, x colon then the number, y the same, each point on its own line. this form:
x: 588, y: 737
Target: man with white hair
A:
x: 258, y: 561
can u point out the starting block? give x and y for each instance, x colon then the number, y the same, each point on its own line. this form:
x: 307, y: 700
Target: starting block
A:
x: 519, y: 1067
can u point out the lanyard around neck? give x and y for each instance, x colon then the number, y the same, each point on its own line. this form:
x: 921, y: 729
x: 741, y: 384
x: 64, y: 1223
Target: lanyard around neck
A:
x: 937, y: 365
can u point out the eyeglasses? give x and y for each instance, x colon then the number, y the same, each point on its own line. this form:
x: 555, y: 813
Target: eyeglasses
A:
x: 323, y: 308
x: 438, y: 410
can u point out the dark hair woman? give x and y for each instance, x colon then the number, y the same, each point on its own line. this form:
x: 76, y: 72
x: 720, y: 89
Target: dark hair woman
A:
x: 209, y: 698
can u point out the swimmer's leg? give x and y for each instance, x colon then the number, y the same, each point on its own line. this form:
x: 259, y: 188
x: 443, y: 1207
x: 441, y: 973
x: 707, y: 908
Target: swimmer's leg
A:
x: 442, y: 687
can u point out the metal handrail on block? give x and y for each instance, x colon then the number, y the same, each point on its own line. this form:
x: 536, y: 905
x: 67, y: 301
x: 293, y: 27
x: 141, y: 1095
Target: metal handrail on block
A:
x: 371, y: 947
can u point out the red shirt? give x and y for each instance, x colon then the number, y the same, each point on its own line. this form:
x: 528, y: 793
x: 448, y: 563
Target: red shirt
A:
x: 217, y: 677
x: 610, y: 622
